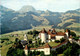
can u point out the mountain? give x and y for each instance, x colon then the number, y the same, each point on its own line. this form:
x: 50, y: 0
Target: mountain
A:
x: 71, y: 20
x: 12, y: 20
x: 27, y: 8
x: 78, y: 10
x: 28, y: 16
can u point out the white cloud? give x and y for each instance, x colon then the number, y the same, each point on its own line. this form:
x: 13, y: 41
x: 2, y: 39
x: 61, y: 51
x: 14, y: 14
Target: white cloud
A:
x: 53, y: 5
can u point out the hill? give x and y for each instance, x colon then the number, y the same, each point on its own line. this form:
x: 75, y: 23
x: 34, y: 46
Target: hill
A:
x: 28, y: 17
x: 71, y: 20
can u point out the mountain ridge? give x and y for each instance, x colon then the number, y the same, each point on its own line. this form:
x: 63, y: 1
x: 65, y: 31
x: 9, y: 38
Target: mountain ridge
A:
x: 15, y: 20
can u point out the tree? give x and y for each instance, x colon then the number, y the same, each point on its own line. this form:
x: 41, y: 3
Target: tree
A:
x: 16, y: 40
x: 2, y: 41
x: 30, y: 53
x: 42, y: 53
x: 53, y: 53
x: 15, y: 52
x: 62, y: 40
x: 57, y: 41
x: 30, y: 32
x: 76, y: 38
x: 35, y: 32
x: 67, y: 52
x: 72, y: 33
x: 72, y: 50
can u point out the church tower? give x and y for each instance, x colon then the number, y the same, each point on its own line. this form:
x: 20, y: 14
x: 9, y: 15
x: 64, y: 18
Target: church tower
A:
x: 25, y: 37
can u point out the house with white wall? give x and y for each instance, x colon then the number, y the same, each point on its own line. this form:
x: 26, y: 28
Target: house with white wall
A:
x: 52, y: 35
x: 45, y: 49
x: 47, y: 36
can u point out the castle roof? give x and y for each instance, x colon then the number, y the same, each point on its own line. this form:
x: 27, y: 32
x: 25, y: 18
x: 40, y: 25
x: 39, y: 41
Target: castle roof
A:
x: 53, y: 31
x: 37, y: 48
x: 33, y: 48
x: 66, y: 30
x: 43, y: 31
x: 60, y: 33
x: 46, y: 46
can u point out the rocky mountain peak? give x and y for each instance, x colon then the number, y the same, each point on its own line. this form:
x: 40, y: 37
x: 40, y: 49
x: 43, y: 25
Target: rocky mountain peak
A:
x: 27, y: 8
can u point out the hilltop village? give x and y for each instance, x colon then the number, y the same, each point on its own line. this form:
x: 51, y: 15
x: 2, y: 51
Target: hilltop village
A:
x: 49, y: 36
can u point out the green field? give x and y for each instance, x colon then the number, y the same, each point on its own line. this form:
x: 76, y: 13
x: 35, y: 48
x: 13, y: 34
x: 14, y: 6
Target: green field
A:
x: 53, y: 44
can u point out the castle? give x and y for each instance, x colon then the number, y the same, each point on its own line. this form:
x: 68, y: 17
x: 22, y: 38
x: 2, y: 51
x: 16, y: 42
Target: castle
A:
x: 52, y: 35
x: 47, y: 36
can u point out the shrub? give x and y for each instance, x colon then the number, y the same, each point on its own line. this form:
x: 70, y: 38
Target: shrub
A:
x: 10, y: 42
x: 76, y: 38
x: 0, y: 46
x: 57, y: 41
x: 30, y: 32
x: 15, y: 52
x: 62, y: 40
x: 34, y: 32
x: 2, y: 41
x: 42, y: 53
x: 72, y: 33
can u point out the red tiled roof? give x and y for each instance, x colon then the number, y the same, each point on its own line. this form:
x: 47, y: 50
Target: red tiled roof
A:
x: 53, y: 36
x: 33, y: 48
x: 26, y: 47
x: 66, y: 30
x: 53, y: 31
x: 43, y: 31
x: 46, y: 45
x: 60, y: 33
x: 37, y: 48
x: 41, y: 47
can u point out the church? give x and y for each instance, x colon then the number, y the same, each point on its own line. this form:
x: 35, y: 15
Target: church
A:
x: 52, y: 35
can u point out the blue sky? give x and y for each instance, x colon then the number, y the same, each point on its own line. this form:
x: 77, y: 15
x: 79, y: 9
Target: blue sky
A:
x: 52, y: 5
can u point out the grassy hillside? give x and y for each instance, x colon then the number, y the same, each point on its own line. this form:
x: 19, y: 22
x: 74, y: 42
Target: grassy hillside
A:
x: 74, y: 25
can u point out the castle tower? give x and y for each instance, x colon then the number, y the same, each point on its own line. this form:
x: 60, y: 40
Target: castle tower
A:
x: 53, y: 31
x: 43, y: 35
x: 49, y: 32
x: 67, y: 33
x: 26, y: 50
x: 25, y: 37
